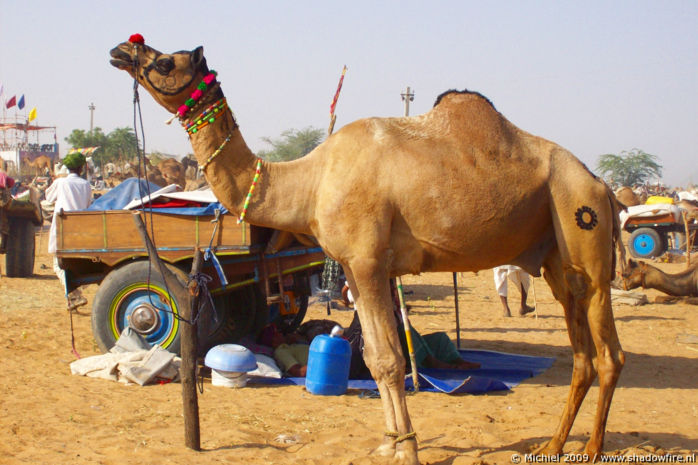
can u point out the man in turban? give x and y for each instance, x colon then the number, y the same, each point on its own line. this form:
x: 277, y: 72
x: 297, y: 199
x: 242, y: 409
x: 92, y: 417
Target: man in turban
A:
x: 69, y: 193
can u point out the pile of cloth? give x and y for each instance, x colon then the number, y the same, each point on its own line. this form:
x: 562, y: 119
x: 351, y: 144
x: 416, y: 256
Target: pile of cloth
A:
x: 131, y: 361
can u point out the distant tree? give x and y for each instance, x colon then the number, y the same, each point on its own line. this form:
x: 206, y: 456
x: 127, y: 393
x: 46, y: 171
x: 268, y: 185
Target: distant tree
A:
x: 629, y: 167
x: 118, y: 144
x: 292, y: 144
x: 121, y: 145
x: 80, y: 138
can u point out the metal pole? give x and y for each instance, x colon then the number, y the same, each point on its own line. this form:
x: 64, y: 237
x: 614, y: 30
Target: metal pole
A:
x: 455, y: 295
x: 407, y: 97
x: 408, y: 334
x: 92, y: 114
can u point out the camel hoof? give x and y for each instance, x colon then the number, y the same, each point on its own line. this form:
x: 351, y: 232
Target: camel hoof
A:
x: 593, y: 452
x: 547, y: 449
x: 406, y: 457
x: 385, y: 450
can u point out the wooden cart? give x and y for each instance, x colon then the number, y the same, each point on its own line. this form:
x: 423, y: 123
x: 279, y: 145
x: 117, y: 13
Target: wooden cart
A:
x: 653, y: 228
x: 250, y: 286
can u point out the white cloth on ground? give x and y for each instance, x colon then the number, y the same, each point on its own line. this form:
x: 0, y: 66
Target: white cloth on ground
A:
x: 140, y: 367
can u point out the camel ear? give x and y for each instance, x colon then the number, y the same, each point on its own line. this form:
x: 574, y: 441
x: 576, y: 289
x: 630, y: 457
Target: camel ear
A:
x: 198, y: 60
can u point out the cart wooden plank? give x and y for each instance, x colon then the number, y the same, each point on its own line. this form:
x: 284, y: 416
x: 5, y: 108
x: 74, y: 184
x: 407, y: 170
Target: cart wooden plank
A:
x: 114, y: 230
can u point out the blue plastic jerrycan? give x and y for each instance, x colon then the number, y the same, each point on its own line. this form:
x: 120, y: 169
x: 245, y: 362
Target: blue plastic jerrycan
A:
x: 328, y: 365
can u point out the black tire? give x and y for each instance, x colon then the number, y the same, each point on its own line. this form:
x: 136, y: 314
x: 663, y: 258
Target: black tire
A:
x: 19, y: 256
x: 290, y: 323
x: 647, y: 243
x: 238, y: 314
x: 125, y: 290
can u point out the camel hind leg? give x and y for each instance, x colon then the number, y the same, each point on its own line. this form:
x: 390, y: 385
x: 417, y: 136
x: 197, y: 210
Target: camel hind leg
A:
x: 368, y: 280
x: 586, y: 229
x: 583, y: 372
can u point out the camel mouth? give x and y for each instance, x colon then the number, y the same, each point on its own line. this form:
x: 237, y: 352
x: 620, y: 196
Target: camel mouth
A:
x: 120, y: 59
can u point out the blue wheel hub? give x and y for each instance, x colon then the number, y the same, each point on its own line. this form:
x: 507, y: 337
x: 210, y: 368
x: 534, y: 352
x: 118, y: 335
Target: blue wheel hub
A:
x: 149, y: 316
x: 644, y: 244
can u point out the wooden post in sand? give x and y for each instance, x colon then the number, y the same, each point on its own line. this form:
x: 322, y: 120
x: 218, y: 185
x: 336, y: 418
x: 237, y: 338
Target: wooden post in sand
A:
x: 189, y: 344
x: 689, y: 242
x: 189, y: 309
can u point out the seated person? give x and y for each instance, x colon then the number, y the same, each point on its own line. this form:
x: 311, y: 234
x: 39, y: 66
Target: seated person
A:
x: 434, y: 350
x: 290, y: 350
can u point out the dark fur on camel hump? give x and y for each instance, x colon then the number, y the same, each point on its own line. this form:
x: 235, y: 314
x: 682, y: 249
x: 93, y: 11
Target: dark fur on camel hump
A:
x: 465, y: 91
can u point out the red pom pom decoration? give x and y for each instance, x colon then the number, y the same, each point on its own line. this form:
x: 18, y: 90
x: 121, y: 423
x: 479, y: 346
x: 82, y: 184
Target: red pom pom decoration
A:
x: 136, y: 39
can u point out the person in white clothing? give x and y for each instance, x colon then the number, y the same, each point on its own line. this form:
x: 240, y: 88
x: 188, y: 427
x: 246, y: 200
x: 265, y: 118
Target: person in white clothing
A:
x: 69, y: 193
x: 521, y: 280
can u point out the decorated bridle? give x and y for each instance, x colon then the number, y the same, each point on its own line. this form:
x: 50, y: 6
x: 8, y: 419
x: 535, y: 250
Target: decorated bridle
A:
x: 207, y: 116
x: 136, y: 40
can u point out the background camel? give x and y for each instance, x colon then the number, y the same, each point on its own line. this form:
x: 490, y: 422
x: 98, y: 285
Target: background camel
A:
x: 459, y: 188
x: 172, y: 172
x: 641, y: 274
x: 40, y: 165
x: 628, y: 197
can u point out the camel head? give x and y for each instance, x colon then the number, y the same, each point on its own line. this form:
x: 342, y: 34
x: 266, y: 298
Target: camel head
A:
x: 634, y: 275
x: 169, y: 78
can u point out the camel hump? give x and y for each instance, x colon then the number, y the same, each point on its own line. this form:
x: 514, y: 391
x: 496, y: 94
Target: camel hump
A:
x: 462, y: 92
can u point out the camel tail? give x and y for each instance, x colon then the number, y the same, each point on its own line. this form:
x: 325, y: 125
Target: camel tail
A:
x: 616, y: 208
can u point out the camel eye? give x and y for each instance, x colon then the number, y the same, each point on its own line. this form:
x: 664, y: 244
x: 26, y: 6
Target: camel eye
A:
x: 164, y: 65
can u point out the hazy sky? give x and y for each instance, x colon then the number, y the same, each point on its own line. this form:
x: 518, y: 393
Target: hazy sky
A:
x: 595, y: 76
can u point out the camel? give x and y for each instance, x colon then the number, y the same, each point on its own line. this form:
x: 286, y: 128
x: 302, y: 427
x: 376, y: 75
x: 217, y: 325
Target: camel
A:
x: 458, y: 188
x: 691, y: 209
x: 191, y: 166
x: 641, y: 274
x: 42, y: 165
x: 628, y: 197
x: 173, y: 172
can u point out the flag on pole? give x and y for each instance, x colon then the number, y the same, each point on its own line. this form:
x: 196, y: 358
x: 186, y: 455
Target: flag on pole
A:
x: 336, y: 94
x: 12, y: 102
x: 32, y: 114
x: 20, y: 102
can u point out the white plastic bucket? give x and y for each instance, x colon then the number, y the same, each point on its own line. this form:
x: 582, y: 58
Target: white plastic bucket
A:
x: 231, y: 379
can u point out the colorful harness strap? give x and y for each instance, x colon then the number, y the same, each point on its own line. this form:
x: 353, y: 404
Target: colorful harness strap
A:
x: 257, y: 172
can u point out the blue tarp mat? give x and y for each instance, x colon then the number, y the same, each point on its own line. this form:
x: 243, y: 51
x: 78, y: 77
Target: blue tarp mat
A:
x: 499, y: 371
x: 207, y: 209
x: 128, y: 191
x: 123, y: 194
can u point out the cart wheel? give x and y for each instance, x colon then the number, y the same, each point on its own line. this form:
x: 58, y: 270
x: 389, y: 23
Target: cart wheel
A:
x: 647, y: 243
x: 19, y: 257
x: 125, y: 298
x: 236, y: 312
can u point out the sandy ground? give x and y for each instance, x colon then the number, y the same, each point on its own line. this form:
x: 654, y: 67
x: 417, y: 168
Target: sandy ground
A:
x: 48, y: 416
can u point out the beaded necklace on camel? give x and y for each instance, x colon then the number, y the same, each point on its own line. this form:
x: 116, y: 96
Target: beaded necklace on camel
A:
x: 207, y: 117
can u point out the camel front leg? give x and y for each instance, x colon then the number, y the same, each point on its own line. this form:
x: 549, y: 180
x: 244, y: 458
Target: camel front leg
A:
x: 383, y: 355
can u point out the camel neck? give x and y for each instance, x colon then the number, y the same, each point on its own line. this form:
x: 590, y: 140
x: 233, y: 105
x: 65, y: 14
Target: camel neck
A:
x: 283, y: 189
x: 676, y: 285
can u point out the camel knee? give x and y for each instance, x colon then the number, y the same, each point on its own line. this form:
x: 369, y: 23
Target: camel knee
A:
x: 610, y: 363
x: 386, y: 367
x: 578, y: 283
x: 584, y: 372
